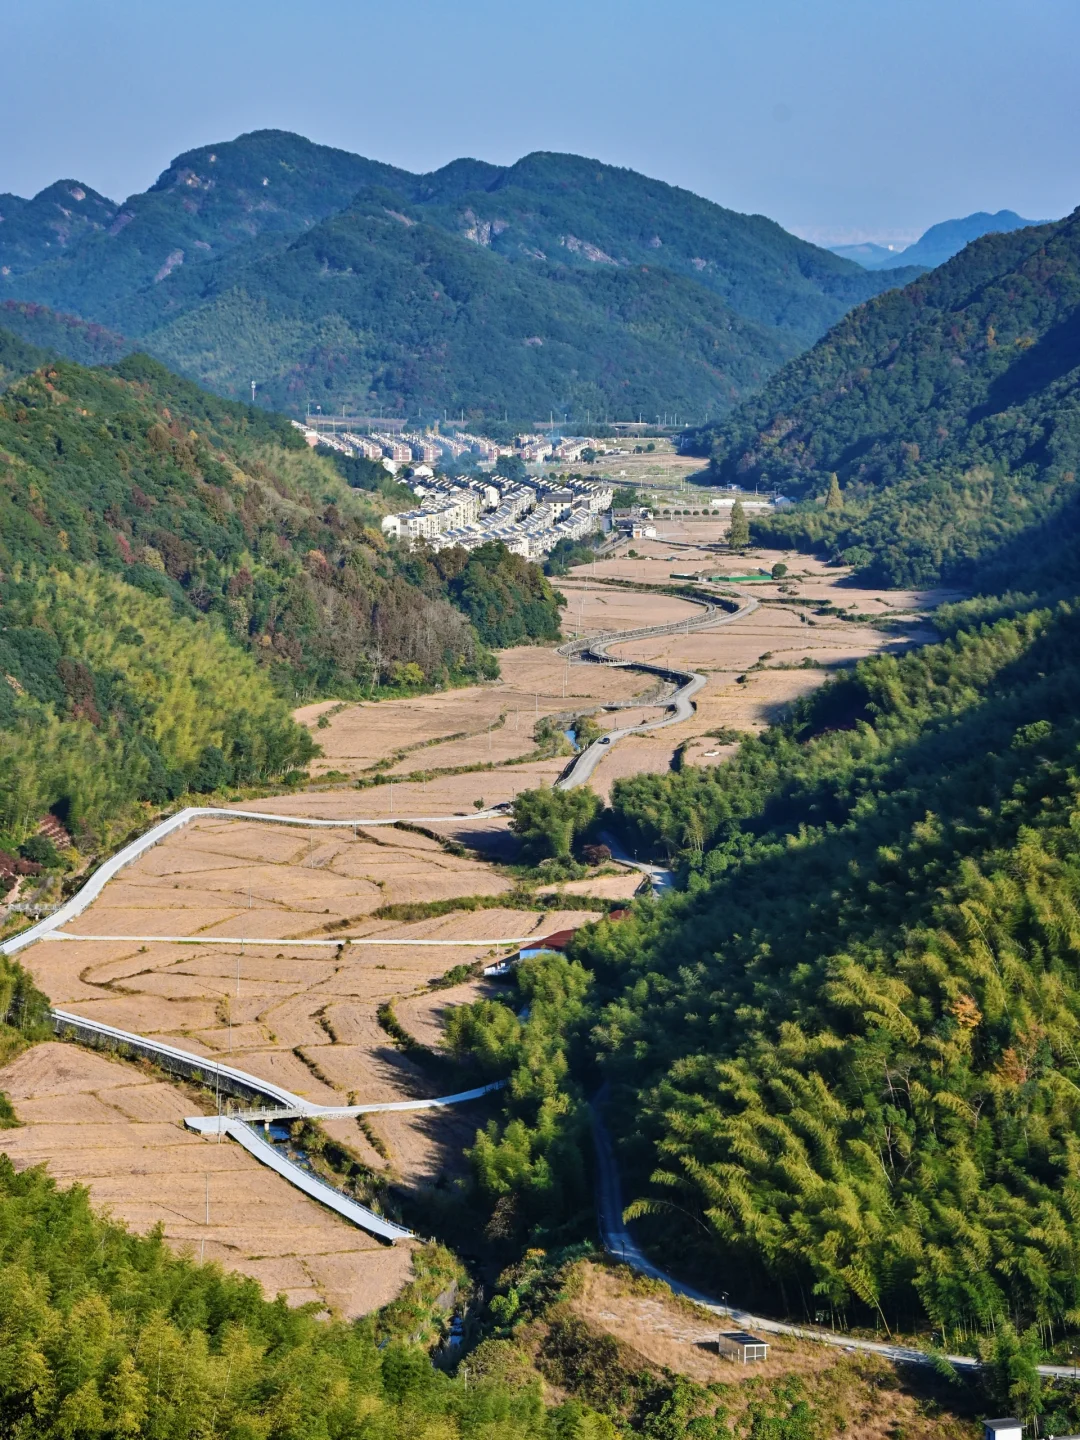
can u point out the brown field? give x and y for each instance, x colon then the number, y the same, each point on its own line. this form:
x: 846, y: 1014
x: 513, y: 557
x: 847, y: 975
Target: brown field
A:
x: 303, y: 1017
x: 532, y: 684
x: 117, y: 1130
x: 306, y: 1017
x: 492, y: 725
x: 858, y: 1395
x: 776, y: 636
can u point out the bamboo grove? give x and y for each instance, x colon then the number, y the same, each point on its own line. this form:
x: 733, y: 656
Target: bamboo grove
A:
x: 845, y: 1061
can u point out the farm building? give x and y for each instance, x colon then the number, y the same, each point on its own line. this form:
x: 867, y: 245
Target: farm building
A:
x: 744, y: 1348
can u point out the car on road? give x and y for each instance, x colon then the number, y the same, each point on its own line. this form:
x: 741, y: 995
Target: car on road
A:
x: 605, y: 740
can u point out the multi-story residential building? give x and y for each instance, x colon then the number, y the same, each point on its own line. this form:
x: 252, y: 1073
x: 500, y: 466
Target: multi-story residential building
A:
x: 393, y: 448
x: 364, y: 445
x: 528, y: 519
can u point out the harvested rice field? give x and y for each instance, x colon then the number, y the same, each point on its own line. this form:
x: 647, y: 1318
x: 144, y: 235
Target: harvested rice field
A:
x: 267, y: 982
x: 112, y: 1127
x: 305, y: 1017
x: 452, y: 728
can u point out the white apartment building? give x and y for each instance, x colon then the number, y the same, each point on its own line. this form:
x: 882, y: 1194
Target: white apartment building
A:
x: 364, y: 445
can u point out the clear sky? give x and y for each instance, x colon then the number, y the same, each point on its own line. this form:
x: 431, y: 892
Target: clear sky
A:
x: 842, y: 119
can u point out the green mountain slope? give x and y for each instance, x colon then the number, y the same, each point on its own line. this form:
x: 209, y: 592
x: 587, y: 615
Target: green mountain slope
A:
x: 853, y: 1041
x: 584, y: 214
x: 59, y: 335
x: 948, y: 410
x: 175, y: 568
x: 842, y: 1063
x: 843, y: 1060
x: 54, y: 223
x: 115, y: 1335
x: 208, y: 202
x: 18, y: 357
x: 642, y: 296
x: 371, y: 309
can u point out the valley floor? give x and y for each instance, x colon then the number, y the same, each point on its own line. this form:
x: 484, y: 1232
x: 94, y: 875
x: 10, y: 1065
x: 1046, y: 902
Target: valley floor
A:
x: 308, y: 1018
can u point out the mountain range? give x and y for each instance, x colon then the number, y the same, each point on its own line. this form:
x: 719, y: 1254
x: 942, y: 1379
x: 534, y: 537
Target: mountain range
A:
x: 557, y: 283
x: 936, y: 245
x: 949, y: 411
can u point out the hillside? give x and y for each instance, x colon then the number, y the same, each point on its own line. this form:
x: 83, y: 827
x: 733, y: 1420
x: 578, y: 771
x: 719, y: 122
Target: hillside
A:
x: 947, y: 410
x: 60, y: 336
x: 148, y: 529
x: 50, y: 225
x: 555, y: 283
x: 842, y: 1062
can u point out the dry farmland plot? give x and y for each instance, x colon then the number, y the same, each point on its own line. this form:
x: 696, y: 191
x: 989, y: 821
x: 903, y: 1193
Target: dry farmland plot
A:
x: 110, y: 1126
x: 451, y: 728
x: 778, y: 637
x: 306, y: 1017
x: 303, y: 1017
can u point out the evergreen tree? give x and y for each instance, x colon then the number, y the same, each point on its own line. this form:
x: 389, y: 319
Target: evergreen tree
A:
x: 834, y: 500
x: 739, y: 531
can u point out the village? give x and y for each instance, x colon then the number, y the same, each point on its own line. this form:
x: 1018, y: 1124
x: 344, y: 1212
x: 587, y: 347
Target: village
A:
x: 529, y: 513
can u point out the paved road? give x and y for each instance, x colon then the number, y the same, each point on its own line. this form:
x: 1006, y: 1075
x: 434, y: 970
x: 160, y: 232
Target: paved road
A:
x: 337, y: 941
x: 662, y: 879
x: 618, y: 1241
x: 680, y: 705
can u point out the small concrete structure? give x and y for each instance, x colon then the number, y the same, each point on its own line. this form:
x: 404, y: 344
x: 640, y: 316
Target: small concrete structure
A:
x: 744, y: 1348
x: 1008, y: 1429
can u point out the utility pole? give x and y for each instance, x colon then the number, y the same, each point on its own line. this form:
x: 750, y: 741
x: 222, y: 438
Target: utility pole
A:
x: 253, y: 385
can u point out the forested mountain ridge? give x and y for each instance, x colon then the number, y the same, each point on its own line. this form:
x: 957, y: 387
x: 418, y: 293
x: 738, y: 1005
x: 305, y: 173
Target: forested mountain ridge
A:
x: 56, y: 220
x: 149, y: 529
x: 948, y: 410
x: 60, y: 336
x: 588, y: 260
x: 404, y: 312
x: 861, y: 1021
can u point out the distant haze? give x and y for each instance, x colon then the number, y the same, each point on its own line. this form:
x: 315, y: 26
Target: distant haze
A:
x: 840, y: 119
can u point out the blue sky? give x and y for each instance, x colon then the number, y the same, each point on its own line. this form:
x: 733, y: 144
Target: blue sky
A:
x: 842, y: 119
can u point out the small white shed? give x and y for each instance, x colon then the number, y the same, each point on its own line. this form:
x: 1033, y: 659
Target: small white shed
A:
x: 744, y: 1348
x: 1008, y: 1429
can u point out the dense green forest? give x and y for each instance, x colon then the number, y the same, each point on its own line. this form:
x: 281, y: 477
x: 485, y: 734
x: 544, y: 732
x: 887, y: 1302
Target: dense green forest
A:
x: 58, y: 336
x: 844, y: 1061
x: 558, y: 282
x: 110, y: 1334
x: 18, y: 357
x: 178, y: 570
x: 508, y: 600
x: 948, y: 410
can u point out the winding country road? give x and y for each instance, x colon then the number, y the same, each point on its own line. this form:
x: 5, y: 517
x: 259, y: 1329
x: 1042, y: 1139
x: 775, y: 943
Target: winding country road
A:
x: 283, y: 1103
x: 277, y: 1102
x: 689, y: 681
